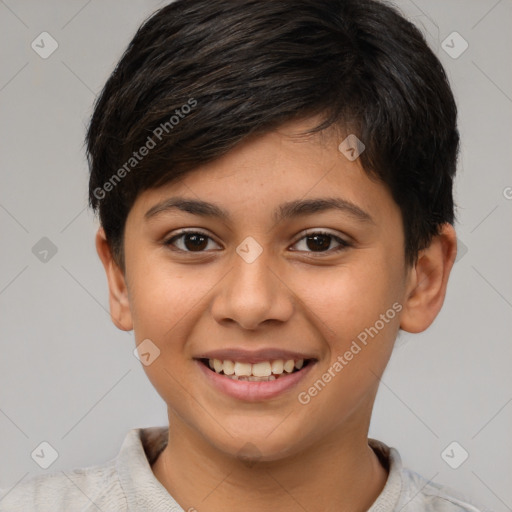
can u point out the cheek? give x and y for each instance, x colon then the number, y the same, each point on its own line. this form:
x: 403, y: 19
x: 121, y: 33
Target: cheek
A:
x: 164, y: 304
x: 359, y: 321
x: 351, y: 298
x: 161, y: 297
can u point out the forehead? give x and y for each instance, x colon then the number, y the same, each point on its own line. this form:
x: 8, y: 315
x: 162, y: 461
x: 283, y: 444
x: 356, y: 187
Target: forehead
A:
x: 280, y: 173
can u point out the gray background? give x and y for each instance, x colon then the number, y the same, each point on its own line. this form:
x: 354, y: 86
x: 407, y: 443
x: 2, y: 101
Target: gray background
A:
x: 69, y: 377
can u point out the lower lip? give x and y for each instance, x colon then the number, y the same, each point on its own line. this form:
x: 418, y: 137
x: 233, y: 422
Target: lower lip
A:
x: 253, y: 391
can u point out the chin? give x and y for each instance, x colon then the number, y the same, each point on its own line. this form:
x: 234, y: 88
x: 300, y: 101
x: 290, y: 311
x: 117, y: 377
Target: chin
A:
x: 259, y: 446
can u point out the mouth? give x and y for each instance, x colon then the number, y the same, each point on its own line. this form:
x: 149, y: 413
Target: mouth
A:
x: 261, y: 371
x: 255, y: 381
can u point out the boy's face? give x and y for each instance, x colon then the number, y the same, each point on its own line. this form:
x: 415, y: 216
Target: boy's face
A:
x: 299, y: 295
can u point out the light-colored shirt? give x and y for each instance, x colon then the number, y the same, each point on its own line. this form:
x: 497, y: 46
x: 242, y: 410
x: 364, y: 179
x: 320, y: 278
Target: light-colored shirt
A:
x: 127, y: 483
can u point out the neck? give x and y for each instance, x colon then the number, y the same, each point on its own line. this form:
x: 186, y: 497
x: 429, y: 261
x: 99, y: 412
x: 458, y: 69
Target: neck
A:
x: 339, y: 473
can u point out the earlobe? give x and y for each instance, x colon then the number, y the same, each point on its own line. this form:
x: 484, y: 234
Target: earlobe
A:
x: 118, y: 292
x: 428, y: 281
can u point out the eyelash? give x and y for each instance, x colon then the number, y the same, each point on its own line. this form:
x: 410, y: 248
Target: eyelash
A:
x: 343, y: 243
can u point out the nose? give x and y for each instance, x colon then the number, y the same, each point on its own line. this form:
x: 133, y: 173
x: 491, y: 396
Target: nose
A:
x: 252, y: 293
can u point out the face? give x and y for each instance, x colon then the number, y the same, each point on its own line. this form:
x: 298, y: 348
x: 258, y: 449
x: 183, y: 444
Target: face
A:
x: 275, y: 278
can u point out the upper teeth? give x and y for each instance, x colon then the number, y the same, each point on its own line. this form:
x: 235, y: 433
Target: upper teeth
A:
x: 262, y: 369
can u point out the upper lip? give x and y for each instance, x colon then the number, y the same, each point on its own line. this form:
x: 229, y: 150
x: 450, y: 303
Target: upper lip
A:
x: 253, y: 356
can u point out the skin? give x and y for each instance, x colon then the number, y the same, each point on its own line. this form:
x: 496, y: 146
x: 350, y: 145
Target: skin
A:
x: 294, y: 296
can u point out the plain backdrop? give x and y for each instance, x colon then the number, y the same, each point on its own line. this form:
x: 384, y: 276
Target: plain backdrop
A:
x: 70, y: 378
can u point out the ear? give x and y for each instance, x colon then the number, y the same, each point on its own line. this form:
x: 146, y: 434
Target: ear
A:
x: 118, y: 292
x: 427, y: 281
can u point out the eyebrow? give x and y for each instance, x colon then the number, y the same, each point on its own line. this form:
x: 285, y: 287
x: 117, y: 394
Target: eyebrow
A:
x: 291, y: 209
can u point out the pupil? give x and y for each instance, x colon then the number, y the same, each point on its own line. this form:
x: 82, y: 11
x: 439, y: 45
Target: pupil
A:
x: 323, y: 245
x: 198, y: 241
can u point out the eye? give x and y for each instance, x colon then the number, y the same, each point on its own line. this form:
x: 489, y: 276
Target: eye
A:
x: 320, y: 241
x: 315, y: 242
x: 190, y: 241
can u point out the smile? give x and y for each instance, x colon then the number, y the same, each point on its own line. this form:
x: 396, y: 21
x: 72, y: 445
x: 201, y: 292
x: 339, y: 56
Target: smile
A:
x: 257, y: 372
x: 256, y: 381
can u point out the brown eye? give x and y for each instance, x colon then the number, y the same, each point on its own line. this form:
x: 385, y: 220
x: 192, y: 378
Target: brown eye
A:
x: 189, y: 241
x: 320, y: 242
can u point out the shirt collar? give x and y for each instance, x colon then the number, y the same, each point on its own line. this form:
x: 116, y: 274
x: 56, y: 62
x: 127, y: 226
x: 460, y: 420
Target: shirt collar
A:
x: 391, y: 460
x: 143, y: 490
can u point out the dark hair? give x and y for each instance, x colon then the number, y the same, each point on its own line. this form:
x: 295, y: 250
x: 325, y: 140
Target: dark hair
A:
x: 206, y: 74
